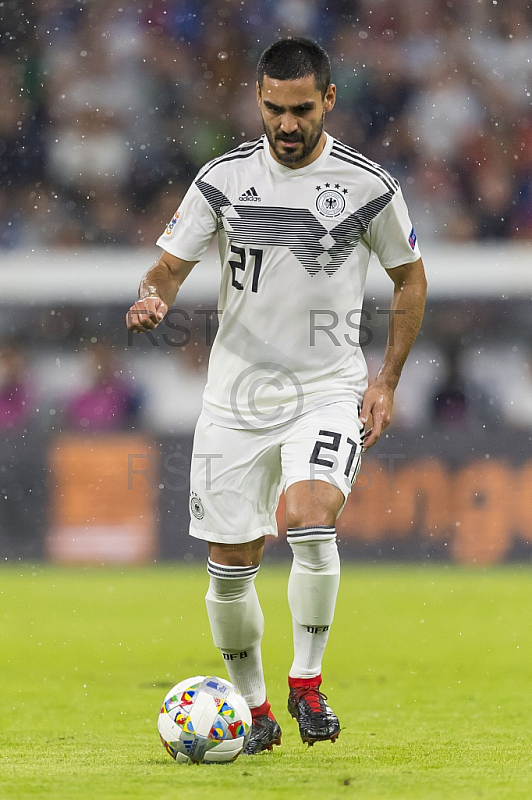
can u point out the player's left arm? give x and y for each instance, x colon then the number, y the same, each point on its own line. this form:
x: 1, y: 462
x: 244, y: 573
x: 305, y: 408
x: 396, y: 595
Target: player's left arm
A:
x: 408, y: 304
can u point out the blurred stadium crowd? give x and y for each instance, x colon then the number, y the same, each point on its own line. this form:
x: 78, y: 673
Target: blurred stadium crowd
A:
x: 108, y: 108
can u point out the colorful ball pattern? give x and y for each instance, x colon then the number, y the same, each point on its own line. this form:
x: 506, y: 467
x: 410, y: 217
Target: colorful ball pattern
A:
x: 204, y: 719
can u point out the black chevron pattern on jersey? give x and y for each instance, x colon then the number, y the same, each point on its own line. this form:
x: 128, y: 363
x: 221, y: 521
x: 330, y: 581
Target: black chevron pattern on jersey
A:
x: 215, y: 198
x: 295, y: 228
x: 349, y: 232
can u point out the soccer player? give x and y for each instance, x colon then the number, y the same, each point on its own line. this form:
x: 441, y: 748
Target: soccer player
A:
x: 286, y: 405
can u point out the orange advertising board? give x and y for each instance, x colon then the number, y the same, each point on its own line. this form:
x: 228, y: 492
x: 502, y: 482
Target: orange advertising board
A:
x: 478, y: 511
x: 101, y: 511
x: 105, y: 492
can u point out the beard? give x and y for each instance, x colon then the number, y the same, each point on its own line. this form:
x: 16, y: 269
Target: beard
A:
x: 308, y: 142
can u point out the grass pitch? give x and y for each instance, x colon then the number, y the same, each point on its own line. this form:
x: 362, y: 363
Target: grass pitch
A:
x: 429, y: 670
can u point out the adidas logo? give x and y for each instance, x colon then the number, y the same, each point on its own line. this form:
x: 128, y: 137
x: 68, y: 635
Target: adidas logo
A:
x: 250, y: 195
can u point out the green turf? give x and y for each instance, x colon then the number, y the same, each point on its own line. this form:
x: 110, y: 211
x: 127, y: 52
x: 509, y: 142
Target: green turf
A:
x: 429, y: 669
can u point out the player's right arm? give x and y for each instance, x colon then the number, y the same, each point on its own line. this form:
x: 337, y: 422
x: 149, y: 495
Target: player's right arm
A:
x: 157, y: 291
x: 189, y: 233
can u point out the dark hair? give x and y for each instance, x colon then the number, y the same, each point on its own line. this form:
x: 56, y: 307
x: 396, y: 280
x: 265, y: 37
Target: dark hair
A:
x: 291, y: 59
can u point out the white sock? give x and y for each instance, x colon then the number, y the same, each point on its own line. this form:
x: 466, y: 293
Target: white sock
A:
x: 312, y: 590
x: 237, y: 625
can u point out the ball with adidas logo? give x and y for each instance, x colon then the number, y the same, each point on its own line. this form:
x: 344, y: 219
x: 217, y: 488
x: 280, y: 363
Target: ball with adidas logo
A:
x: 204, y: 719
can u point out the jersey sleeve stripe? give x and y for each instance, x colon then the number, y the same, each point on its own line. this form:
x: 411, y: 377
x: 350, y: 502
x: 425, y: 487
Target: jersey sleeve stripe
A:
x: 390, y: 186
x: 391, y: 183
x: 231, y: 156
x: 340, y: 146
x: 240, y: 149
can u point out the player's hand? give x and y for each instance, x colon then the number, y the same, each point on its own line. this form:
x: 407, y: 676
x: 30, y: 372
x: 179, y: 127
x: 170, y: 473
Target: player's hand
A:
x: 146, y: 314
x: 377, y: 407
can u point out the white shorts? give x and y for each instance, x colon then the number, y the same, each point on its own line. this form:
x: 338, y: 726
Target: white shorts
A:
x: 237, y: 475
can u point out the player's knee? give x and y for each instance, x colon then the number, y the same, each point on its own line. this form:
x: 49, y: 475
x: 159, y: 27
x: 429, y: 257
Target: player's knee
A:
x: 244, y: 554
x: 312, y: 503
x: 303, y: 518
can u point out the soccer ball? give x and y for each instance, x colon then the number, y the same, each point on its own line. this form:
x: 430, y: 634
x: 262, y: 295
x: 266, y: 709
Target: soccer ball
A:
x: 204, y: 719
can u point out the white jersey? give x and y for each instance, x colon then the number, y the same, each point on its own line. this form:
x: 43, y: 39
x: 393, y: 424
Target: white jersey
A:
x: 294, y: 248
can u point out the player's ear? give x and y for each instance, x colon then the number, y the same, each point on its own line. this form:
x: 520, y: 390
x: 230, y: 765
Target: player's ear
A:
x: 330, y: 97
x: 258, y: 94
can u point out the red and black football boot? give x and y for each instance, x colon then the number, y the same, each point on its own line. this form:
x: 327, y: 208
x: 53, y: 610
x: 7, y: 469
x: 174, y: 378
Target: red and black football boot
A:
x: 265, y: 731
x: 317, y: 722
